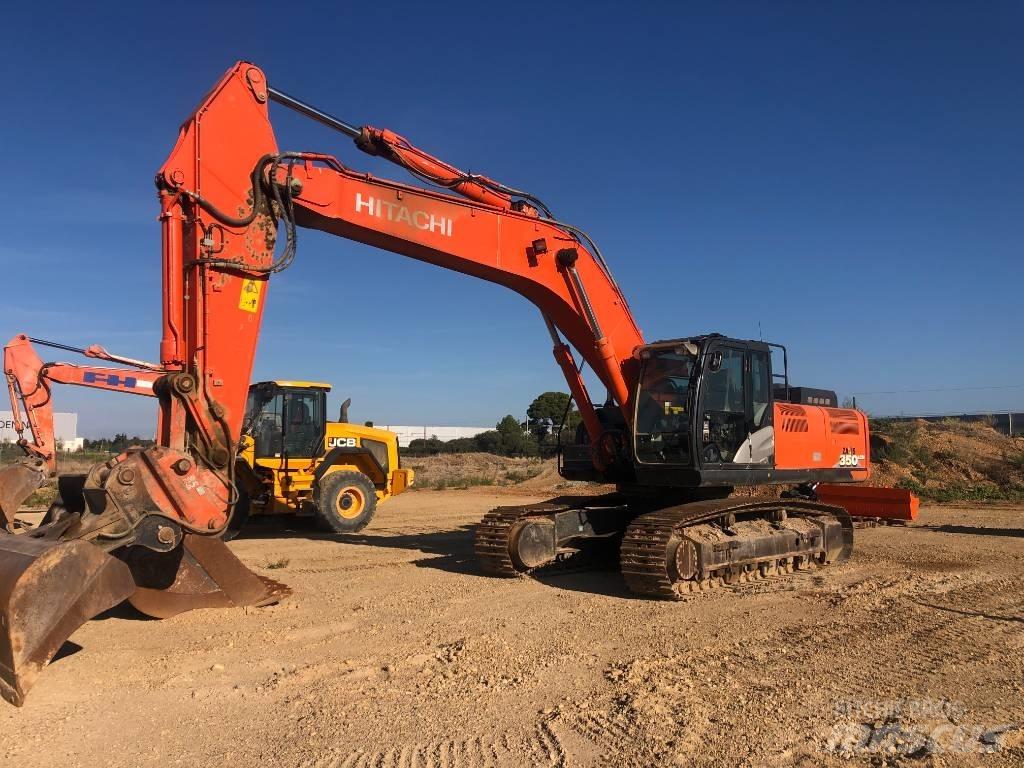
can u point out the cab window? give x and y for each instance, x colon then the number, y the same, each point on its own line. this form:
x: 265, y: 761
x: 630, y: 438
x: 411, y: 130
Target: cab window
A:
x: 724, y: 413
x: 662, y: 410
x: 761, y: 388
x: 286, y: 422
x: 264, y: 422
x: 304, y: 423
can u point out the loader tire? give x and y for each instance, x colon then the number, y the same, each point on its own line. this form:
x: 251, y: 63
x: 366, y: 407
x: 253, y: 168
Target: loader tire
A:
x: 345, y: 502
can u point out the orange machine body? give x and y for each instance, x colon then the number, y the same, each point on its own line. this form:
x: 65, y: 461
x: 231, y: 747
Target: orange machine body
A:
x: 815, y: 437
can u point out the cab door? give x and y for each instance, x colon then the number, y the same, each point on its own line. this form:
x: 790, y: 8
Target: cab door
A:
x: 759, y: 446
x: 734, y: 414
x: 304, y: 423
x: 264, y: 420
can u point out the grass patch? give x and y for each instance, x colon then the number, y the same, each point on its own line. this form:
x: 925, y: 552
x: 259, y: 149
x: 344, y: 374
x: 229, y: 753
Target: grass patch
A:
x: 281, y: 562
x: 43, y: 497
x: 515, y: 476
x: 962, y: 492
x: 901, y: 442
x: 460, y: 483
x: 1015, y: 459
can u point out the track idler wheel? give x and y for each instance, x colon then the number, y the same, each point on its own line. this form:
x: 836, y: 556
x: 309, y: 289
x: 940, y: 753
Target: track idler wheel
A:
x: 48, y: 589
x: 201, y: 573
x: 532, y: 543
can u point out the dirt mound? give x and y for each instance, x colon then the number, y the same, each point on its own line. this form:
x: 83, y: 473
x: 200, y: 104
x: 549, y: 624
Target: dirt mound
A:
x: 947, y: 460
x: 468, y: 470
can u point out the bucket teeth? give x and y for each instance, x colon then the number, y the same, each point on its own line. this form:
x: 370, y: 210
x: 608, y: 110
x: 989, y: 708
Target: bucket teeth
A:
x: 47, y: 590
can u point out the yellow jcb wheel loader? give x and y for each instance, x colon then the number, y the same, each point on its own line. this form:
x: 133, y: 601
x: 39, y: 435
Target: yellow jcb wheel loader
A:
x: 294, y: 462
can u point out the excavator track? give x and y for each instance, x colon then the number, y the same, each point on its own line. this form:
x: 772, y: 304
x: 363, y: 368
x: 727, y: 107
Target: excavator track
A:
x: 653, y: 564
x: 493, y: 536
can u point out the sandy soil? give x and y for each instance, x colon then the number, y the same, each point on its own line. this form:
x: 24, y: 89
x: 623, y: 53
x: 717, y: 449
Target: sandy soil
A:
x: 393, y: 651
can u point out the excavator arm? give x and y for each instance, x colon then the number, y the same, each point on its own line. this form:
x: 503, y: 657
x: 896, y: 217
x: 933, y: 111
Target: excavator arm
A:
x: 536, y: 257
x: 226, y: 184
x: 29, y: 382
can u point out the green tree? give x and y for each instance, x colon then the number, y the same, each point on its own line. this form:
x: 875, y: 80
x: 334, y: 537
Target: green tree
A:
x: 462, y: 445
x: 549, y: 405
x: 425, y: 446
x: 515, y: 442
x: 552, y: 405
x: 489, y: 441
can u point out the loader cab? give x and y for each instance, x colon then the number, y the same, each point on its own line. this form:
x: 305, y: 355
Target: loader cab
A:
x: 287, y: 419
x: 704, y: 411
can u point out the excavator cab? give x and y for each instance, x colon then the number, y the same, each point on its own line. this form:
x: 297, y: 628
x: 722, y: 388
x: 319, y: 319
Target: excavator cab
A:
x: 705, y: 403
x: 702, y: 411
x: 710, y: 412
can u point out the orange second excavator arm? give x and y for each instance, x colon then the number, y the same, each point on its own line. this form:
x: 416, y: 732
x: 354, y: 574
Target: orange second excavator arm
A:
x: 29, y: 380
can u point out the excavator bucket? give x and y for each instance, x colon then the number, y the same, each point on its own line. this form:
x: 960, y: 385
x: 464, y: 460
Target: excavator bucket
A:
x: 17, y: 482
x: 203, y: 573
x: 47, y: 590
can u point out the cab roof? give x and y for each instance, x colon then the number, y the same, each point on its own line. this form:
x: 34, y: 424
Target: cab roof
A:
x: 297, y: 384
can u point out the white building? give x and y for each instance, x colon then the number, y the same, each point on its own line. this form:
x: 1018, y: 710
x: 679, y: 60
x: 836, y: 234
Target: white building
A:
x: 407, y: 434
x: 65, y: 429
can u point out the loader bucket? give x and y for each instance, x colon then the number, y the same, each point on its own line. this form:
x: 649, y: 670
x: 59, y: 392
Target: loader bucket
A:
x: 47, y: 590
x: 203, y: 573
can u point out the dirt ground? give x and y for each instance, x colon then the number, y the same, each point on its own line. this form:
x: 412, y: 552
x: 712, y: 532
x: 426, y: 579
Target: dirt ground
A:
x: 393, y: 651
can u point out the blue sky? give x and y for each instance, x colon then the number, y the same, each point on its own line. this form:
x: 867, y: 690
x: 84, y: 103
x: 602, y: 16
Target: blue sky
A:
x: 850, y: 176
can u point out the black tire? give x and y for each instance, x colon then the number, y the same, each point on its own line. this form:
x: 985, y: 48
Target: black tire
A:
x: 238, y: 517
x: 345, y: 502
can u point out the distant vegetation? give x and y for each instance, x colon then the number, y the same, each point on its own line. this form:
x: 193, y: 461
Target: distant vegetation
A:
x: 118, y: 443
x: 451, y: 471
x: 538, y: 436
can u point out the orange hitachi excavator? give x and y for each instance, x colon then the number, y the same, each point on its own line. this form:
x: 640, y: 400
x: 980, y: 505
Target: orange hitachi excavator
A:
x: 684, y: 421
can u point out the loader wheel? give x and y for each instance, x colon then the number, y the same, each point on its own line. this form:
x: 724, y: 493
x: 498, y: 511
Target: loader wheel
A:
x: 345, y: 502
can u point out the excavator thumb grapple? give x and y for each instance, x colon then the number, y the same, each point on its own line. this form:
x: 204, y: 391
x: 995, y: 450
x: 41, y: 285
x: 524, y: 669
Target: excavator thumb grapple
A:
x: 202, y: 573
x: 47, y: 590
